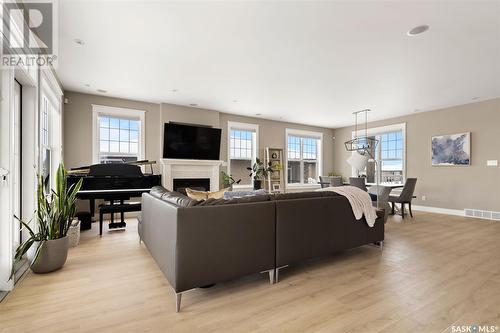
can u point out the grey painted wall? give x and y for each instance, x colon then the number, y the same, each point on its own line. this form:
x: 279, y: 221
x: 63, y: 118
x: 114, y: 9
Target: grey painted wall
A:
x: 78, y: 127
x: 476, y: 186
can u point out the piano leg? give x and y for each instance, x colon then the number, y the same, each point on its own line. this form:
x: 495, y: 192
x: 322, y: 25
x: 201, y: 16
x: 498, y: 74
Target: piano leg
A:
x: 92, y: 208
x: 122, y: 215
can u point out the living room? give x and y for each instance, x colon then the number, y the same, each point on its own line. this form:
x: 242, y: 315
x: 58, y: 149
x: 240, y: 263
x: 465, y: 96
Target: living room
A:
x: 250, y: 166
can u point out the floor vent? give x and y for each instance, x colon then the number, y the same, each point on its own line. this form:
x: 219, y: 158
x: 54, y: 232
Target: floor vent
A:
x: 482, y: 214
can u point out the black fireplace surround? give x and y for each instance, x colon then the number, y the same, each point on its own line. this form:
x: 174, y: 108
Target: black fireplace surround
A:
x: 199, y: 184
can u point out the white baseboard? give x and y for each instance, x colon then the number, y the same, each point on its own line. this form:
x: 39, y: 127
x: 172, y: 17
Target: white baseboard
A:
x: 439, y: 210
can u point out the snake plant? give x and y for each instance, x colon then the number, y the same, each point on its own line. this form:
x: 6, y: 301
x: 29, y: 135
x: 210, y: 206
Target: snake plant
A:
x: 53, y: 216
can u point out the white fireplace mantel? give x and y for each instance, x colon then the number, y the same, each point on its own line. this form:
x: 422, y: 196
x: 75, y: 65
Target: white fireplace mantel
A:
x: 180, y: 168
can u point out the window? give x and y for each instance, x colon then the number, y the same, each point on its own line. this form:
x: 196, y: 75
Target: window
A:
x: 389, y: 153
x: 303, y: 157
x: 390, y: 156
x: 118, y: 139
x: 118, y: 135
x: 242, y: 151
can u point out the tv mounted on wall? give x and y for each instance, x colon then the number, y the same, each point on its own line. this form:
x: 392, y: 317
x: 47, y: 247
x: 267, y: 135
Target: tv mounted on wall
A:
x: 191, y: 142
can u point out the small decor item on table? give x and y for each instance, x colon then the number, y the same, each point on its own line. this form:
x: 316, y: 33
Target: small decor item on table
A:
x: 47, y: 248
x: 259, y: 171
x: 451, y: 150
x: 74, y: 233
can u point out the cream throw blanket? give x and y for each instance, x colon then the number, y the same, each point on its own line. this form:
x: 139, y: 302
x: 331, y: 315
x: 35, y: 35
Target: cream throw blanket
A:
x: 361, y: 202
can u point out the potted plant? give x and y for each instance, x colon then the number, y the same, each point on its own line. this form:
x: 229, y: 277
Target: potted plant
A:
x: 259, y: 171
x: 47, y: 245
x: 228, y: 180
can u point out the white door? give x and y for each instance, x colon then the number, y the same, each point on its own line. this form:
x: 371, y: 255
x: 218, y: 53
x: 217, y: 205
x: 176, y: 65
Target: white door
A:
x: 16, y: 171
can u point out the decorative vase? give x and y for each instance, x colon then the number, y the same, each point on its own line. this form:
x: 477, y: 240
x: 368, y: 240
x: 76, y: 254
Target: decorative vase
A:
x: 74, y: 233
x: 257, y: 184
x: 52, y: 255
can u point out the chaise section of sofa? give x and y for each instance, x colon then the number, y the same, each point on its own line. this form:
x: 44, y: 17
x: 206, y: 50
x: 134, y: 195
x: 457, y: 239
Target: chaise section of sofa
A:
x: 310, y: 226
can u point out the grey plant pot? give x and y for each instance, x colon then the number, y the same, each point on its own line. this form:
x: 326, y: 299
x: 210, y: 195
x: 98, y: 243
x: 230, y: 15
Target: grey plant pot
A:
x: 52, y: 255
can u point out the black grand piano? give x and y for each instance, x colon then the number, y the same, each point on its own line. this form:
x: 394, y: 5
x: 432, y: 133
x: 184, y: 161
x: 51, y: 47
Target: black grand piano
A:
x: 115, y: 182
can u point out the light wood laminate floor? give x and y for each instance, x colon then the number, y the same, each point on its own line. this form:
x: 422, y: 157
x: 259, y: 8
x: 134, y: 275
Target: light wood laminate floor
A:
x: 435, y: 271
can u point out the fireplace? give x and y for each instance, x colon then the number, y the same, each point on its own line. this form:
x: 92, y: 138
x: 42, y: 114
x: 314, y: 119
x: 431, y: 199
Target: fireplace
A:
x: 199, y: 184
x: 180, y: 169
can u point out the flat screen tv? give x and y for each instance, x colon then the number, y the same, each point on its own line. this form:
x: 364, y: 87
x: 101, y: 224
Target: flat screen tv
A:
x: 191, y: 142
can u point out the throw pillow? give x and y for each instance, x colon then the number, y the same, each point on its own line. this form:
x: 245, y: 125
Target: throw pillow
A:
x: 203, y: 195
x: 196, y: 195
x: 218, y: 194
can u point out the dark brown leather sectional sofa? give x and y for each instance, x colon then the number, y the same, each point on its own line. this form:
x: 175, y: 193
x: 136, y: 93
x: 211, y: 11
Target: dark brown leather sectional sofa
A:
x: 196, y: 244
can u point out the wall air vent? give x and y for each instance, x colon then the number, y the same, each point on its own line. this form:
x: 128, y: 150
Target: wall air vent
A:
x: 482, y: 214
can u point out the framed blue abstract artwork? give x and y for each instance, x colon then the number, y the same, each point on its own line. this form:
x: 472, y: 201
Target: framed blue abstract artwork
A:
x: 451, y: 150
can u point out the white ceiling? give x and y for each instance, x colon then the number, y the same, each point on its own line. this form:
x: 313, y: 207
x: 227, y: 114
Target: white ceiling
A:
x: 306, y: 62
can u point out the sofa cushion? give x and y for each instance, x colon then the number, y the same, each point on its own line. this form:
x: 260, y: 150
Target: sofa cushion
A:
x: 219, y: 202
x: 179, y: 199
x: 296, y: 195
x: 241, y: 194
x: 158, y: 191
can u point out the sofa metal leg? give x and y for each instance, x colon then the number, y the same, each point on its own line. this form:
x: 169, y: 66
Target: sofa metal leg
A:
x: 381, y: 244
x: 140, y: 240
x: 271, y: 276
x: 276, y: 276
x: 271, y: 273
x: 178, y: 298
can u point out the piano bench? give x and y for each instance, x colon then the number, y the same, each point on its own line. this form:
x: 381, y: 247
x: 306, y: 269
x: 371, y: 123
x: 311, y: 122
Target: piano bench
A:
x: 117, y: 208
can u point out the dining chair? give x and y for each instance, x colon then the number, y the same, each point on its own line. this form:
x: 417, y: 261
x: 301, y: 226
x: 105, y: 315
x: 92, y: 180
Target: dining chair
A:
x: 325, y: 181
x: 405, y: 197
x: 382, y: 194
x: 359, y: 182
x: 336, y: 181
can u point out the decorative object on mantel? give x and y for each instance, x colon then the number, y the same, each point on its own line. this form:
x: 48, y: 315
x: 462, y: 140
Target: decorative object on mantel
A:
x: 362, y: 146
x: 260, y: 171
x: 275, y: 179
x: 47, y: 249
x: 451, y: 150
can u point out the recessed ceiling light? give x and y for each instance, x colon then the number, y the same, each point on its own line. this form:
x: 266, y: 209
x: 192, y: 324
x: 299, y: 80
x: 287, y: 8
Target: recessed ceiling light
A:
x: 79, y: 42
x: 102, y: 91
x: 258, y: 114
x: 416, y: 110
x: 235, y: 101
x: 175, y: 90
x: 193, y: 104
x: 87, y: 85
x: 475, y: 98
x: 418, y: 30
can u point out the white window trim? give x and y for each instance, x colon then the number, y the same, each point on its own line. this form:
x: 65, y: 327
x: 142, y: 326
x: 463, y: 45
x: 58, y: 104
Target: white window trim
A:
x: 100, y: 110
x: 384, y: 129
x: 242, y: 126
x: 318, y: 135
